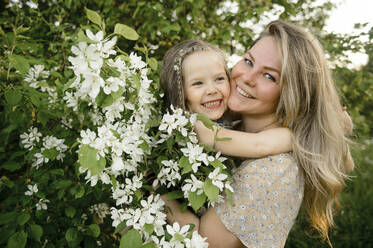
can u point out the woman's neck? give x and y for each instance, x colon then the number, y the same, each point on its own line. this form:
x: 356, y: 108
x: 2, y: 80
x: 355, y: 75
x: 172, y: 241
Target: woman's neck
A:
x: 255, y: 124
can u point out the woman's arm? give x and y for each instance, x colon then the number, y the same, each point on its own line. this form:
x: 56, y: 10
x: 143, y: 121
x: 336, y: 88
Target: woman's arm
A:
x: 209, y: 225
x: 174, y: 214
x: 244, y: 144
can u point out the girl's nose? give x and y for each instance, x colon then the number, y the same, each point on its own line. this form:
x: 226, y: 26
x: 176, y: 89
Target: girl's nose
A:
x: 211, y: 90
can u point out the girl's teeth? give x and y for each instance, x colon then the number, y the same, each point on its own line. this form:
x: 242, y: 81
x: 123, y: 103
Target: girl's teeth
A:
x: 243, y: 93
x: 209, y: 104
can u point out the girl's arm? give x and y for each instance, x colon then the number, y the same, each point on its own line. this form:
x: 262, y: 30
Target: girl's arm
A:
x: 244, y: 144
x: 209, y: 225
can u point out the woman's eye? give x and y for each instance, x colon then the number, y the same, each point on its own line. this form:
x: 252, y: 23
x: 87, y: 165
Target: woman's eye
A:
x: 270, y: 77
x: 248, y: 61
x: 197, y: 83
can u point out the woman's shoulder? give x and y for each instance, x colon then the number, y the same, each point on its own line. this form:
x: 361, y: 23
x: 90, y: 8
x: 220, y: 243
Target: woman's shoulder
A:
x: 278, y: 160
x: 277, y: 166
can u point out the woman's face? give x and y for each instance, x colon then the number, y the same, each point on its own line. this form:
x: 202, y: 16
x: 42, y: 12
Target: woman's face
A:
x: 255, y: 88
x: 206, y: 84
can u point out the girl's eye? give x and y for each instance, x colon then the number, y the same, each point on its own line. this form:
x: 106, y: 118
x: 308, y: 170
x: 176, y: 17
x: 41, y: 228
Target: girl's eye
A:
x: 270, y: 77
x: 248, y: 61
x: 220, y: 78
x: 196, y: 83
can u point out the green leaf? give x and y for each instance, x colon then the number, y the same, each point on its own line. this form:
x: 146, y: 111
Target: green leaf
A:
x: 131, y: 239
x: 57, y: 172
x: 185, y: 164
x: 210, y: 190
x: 19, y: 62
x: 88, y: 159
x: 120, y: 227
x: 17, y: 240
x: 63, y: 184
x: 153, y: 63
x: 51, y: 153
x: 43, y: 117
x: 110, y: 99
x: 179, y: 237
x: 36, y: 232
x: 5, y: 234
x: 79, y: 192
x: 35, y: 100
x: 206, y: 121
x: 71, y: 234
x: 149, y: 228
x: 94, y: 17
x: 196, y: 200
x: 68, y: 4
x: 228, y: 194
x: 149, y: 245
x: 70, y: 211
x: 11, y: 166
x: 144, y: 146
x: 125, y: 31
x: 93, y: 230
x: 217, y: 163
x: 23, y: 218
x: 174, y: 195
x: 13, y: 97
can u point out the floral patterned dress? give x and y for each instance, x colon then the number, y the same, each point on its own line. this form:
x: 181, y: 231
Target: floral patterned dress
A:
x: 267, y: 196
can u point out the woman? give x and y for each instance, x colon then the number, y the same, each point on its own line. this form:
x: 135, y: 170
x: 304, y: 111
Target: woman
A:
x: 283, y: 80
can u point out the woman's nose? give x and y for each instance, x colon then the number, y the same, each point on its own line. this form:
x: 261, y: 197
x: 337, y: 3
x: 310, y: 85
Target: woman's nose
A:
x: 249, y: 77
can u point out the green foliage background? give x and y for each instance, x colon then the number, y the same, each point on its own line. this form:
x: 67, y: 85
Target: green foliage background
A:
x: 30, y: 36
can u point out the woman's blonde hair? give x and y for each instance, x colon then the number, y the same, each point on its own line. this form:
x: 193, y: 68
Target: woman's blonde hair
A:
x: 309, y: 105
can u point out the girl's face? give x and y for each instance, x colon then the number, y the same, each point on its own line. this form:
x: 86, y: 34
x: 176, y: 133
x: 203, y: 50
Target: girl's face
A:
x: 255, y: 80
x: 206, y: 84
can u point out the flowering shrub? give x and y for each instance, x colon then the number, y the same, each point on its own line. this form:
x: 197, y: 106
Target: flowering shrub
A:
x: 96, y: 144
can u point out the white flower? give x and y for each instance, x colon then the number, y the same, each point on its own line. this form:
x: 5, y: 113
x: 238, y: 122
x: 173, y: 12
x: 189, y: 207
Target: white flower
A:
x: 71, y: 100
x: 42, y: 204
x: 95, y: 37
x: 176, y: 232
x: 92, y: 84
x: 195, y: 154
x: 39, y: 159
x: 15, y: 2
x: 112, y: 85
x: 32, y: 4
x: 197, y: 241
x: 136, y: 62
x: 161, y: 242
x: 28, y: 139
x: 31, y: 189
x: 192, y: 185
x: 117, y: 164
x: 169, y: 174
x: 107, y: 47
x: 218, y: 178
x: 117, y: 216
x: 168, y: 123
x: 101, y: 209
x: 34, y: 74
x: 88, y: 137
